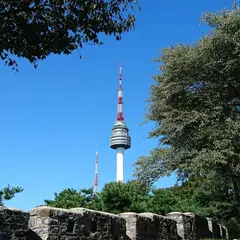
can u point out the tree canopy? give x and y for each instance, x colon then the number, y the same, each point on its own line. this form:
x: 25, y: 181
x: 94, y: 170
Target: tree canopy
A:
x: 71, y: 198
x: 34, y: 29
x: 8, y: 192
x: 116, y: 197
x: 120, y: 197
x: 195, y: 103
x: 132, y: 196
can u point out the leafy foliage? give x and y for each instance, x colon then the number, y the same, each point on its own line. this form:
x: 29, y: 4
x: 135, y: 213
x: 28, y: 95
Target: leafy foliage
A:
x: 8, y: 193
x: 192, y: 196
x: 118, y: 197
x: 195, y: 103
x: 234, y: 227
x: 149, y: 168
x: 114, y: 198
x: 162, y: 201
x: 71, y: 198
x: 34, y: 29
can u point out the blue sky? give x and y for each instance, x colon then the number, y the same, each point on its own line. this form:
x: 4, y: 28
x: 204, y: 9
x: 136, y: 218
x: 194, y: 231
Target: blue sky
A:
x: 55, y: 118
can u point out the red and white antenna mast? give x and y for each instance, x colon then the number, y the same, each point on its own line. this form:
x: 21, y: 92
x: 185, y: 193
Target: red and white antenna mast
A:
x: 96, y: 175
x: 120, y: 97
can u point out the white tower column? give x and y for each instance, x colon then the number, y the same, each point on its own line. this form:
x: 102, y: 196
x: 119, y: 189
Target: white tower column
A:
x: 120, y: 155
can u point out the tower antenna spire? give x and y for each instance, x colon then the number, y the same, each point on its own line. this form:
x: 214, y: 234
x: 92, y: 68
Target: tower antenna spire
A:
x: 120, y: 139
x: 120, y: 116
x: 96, y: 176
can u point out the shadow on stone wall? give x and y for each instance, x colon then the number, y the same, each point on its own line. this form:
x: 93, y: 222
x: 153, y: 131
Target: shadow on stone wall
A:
x: 32, y: 235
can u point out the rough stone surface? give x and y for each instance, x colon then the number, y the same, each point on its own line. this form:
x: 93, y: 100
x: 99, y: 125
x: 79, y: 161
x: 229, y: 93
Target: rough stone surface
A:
x: 46, y: 223
x: 76, y: 224
x: 131, y: 224
x: 166, y: 229
x: 13, y: 224
x: 194, y: 227
x: 214, y: 228
x: 147, y: 226
x: 200, y: 226
x: 185, y: 225
x: 102, y: 225
x: 224, y: 232
x: 139, y: 227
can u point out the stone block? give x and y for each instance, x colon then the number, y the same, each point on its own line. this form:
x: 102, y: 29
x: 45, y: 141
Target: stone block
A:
x: 214, y: 228
x: 166, y: 229
x: 147, y: 226
x: 223, y: 231
x: 76, y: 224
x: 185, y: 225
x: 131, y: 224
x: 200, y: 226
x: 13, y: 224
x: 101, y: 225
x: 191, y: 226
x: 226, y: 232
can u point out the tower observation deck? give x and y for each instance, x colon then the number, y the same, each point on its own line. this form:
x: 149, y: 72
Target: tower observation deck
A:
x: 120, y: 139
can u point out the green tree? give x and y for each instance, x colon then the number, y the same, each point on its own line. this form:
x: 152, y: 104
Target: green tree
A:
x: 72, y: 198
x: 114, y: 198
x: 191, y: 196
x: 34, y: 29
x: 120, y: 197
x: 196, y: 105
x: 8, y: 193
x: 162, y: 201
x: 234, y: 228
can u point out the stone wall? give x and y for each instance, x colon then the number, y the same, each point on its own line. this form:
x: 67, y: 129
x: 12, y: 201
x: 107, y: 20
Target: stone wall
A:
x: 194, y: 227
x: 46, y: 223
x: 54, y: 223
x: 147, y: 226
x: 13, y: 224
x: 166, y: 228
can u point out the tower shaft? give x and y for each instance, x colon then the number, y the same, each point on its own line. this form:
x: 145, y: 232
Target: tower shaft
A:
x: 120, y: 156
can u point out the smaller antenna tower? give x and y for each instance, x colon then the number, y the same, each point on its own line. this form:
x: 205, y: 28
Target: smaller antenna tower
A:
x: 96, y: 175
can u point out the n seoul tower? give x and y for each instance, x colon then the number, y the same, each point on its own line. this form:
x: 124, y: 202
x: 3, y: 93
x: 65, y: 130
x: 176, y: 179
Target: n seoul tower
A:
x: 120, y: 140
